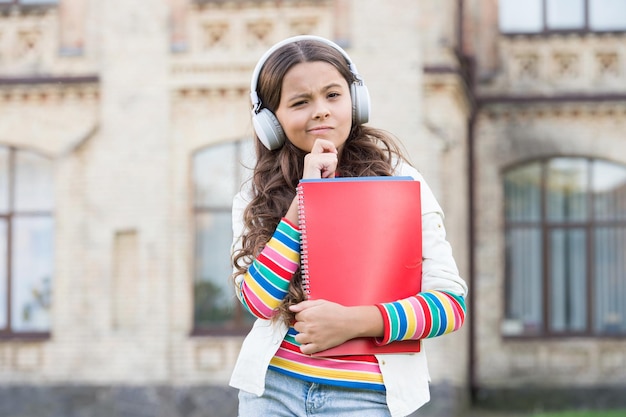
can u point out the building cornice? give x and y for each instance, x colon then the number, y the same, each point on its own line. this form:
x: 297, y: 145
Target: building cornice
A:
x: 483, y: 100
x: 49, y: 80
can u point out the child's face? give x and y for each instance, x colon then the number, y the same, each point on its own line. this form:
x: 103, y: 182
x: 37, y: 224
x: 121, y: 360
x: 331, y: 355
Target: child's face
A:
x: 315, y: 103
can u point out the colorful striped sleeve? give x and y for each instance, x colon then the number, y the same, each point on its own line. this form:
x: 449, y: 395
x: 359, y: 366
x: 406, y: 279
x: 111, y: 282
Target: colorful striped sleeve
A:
x: 425, y: 315
x: 266, y: 282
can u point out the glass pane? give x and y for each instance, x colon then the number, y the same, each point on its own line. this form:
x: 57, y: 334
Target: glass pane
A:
x: 610, y: 281
x: 524, y: 281
x: 4, y: 179
x: 3, y: 274
x: 520, y: 16
x: 522, y: 193
x: 565, y: 14
x: 566, y: 193
x: 31, y: 273
x: 607, y: 14
x: 39, y: 1
x: 214, y: 301
x: 33, y: 182
x: 568, y: 271
x: 215, y: 176
x: 608, y: 183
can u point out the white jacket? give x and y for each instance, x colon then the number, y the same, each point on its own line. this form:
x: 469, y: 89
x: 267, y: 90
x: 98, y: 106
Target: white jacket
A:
x: 405, y: 376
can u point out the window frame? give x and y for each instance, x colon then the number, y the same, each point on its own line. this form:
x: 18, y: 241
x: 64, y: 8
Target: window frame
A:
x: 29, y: 4
x: 8, y: 217
x: 20, y: 5
x: 546, y: 30
x: 238, y: 326
x: 545, y: 226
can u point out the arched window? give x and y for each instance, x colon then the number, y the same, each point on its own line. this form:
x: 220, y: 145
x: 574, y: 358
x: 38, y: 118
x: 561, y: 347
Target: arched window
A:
x: 29, y: 2
x: 565, y: 221
x: 218, y: 172
x: 26, y: 242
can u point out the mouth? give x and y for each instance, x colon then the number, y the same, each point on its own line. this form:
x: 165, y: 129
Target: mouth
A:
x: 320, y: 129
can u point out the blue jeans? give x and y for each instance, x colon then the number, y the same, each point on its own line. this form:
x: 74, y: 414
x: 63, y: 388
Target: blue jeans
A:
x: 285, y: 396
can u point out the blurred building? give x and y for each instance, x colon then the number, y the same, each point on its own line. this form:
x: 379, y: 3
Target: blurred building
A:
x: 125, y: 132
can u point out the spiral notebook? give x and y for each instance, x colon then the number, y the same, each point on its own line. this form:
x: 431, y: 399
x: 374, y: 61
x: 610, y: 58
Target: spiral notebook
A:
x: 361, y: 245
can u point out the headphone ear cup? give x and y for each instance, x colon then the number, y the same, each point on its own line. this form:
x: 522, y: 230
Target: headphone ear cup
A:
x: 360, y: 103
x: 268, y: 129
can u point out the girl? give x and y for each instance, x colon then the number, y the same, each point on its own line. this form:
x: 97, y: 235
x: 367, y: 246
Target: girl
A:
x: 309, y: 106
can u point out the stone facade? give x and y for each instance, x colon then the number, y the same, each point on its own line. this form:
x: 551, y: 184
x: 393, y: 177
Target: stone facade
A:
x: 537, y: 96
x: 121, y: 94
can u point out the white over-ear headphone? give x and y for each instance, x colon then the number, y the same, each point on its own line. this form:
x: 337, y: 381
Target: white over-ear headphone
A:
x: 267, y: 126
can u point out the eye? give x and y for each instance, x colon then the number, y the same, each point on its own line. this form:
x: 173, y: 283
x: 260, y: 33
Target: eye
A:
x: 333, y: 95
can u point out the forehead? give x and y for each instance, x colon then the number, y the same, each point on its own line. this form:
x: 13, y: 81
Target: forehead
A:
x: 314, y: 73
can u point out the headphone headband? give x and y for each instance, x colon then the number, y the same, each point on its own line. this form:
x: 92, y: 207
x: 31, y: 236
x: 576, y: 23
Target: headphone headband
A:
x: 256, y: 102
x: 266, y: 124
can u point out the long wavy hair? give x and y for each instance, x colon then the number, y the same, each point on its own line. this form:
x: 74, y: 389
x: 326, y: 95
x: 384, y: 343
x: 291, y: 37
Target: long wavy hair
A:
x: 366, y: 152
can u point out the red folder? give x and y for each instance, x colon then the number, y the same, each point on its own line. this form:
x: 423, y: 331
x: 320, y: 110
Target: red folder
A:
x: 361, y: 245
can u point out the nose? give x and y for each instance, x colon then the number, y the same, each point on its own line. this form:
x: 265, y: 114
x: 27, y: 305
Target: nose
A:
x: 321, y: 111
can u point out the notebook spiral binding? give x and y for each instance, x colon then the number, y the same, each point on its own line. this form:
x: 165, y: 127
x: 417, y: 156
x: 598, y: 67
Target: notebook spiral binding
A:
x: 304, y: 253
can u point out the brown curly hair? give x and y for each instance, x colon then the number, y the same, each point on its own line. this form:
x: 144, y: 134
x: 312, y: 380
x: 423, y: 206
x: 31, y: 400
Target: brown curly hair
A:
x: 366, y: 152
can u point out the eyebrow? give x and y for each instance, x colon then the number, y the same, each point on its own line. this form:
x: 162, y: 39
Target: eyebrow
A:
x: 325, y: 88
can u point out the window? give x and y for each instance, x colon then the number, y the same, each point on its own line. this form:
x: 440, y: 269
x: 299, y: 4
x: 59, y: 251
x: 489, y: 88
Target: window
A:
x: 537, y: 16
x: 218, y: 172
x: 29, y: 2
x: 26, y: 242
x: 565, y: 221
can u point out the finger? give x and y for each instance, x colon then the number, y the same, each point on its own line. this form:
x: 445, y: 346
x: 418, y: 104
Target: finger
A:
x: 300, y: 337
x: 323, y: 146
x: 296, y: 308
x: 302, y: 305
x: 309, y: 348
x: 329, y: 167
x: 328, y: 173
x: 299, y: 328
x: 320, y: 165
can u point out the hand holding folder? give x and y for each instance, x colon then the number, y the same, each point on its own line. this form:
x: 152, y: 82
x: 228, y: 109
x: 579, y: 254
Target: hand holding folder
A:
x: 361, y: 245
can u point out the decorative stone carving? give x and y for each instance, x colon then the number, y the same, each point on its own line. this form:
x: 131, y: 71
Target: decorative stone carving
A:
x: 526, y: 66
x: 224, y: 46
x: 28, y: 41
x: 560, y: 64
x: 259, y: 33
x: 305, y: 24
x: 566, y: 65
x: 214, y: 35
x: 608, y: 64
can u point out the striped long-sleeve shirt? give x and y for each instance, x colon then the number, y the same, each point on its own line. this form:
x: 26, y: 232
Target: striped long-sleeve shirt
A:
x: 427, y: 314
